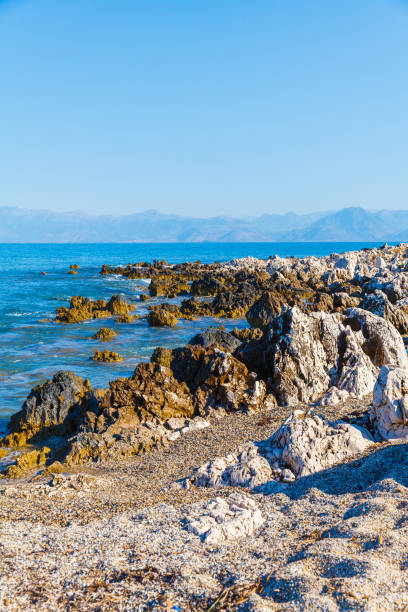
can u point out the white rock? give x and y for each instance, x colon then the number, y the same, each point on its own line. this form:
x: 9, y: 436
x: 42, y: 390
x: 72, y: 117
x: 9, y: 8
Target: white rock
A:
x: 222, y: 519
x: 309, y: 443
x: 390, y: 403
x: 246, y: 468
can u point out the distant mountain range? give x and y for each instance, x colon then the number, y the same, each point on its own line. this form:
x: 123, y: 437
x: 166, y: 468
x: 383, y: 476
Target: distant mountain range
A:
x: 346, y: 225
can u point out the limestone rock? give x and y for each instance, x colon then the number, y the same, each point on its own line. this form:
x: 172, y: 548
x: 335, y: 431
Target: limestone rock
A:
x: 107, y: 356
x: 105, y: 333
x: 245, y: 468
x: 223, y: 519
x: 311, y: 357
x: 305, y: 444
x: 223, y: 339
x: 163, y: 315
x: 379, y: 304
x: 390, y: 403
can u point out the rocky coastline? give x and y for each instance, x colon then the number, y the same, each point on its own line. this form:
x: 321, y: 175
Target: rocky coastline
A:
x: 258, y: 469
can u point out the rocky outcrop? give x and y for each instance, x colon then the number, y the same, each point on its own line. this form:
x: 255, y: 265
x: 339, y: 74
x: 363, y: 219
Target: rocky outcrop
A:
x: 390, y: 403
x: 163, y: 315
x: 264, y: 310
x: 303, y: 445
x: 244, y: 468
x: 216, y: 337
x: 379, y: 304
x: 107, y: 356
x: 170, y: 286
x: 105, y: 333
x: 223, y: 519
x: 82, y: 308
x: 324, y: 357
x: 50, y: 407
x: 214, y: 378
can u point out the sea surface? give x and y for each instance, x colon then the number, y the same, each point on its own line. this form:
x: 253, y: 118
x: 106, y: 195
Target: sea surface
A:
x: 32, y: 350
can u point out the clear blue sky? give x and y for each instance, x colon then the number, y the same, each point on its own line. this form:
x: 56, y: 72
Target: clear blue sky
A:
x: 203, y: 107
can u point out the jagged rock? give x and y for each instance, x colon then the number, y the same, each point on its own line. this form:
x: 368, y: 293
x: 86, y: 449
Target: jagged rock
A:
x: 105, y: 333
x: 170, y: 286
x: 214, y: 378
x: 107, y: 356
x: 247, y: 333
x: 306, y: 356
x: 164, y: 315
x: 234, y: 304
x: 206, y: 286
x: 222, y: 519
x: 305, y: 444
x: 342, y: 300
x: 264, y: 310
x: 50, y: 405
x: 81, y: 309
x: 390, y: 403
x: 245, y: 468
x: 224, y: 340
x: 379, y: 304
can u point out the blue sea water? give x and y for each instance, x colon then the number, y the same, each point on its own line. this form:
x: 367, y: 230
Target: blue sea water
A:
x: 33, y: 350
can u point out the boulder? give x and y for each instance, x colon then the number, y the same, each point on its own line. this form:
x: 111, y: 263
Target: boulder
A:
x: 217, y: 337
x: 379, y: 304
x: 390, y: 403
x: 303, y: 445
x: 51, y: 404
x: 164, y: 315
x: 223, y: 519
x: 264, y: 310
x: 310, y: 357
x: 244, y: 468
x: 104, y: 333
x: 308, y: 443
x: 214, y: 378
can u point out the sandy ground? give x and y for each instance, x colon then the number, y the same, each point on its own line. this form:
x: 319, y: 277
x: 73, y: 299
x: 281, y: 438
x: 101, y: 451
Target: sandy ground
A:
x: 113, y: 537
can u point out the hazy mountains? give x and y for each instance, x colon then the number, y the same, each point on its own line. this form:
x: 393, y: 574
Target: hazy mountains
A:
x: 348, y: 224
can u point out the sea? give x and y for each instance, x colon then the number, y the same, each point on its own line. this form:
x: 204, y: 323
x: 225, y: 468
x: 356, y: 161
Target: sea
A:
x: 32, y: 350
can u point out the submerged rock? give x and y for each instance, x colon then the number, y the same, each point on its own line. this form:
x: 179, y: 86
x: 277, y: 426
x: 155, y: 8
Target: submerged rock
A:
x: 105, y: 333
x: 107, y: 356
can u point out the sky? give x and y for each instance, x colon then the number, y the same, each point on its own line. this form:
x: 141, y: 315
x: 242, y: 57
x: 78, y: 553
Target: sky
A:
x: 233, y: 107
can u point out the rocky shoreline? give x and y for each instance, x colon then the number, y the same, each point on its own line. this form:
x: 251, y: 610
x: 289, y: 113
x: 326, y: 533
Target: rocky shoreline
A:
x: 262, y: 469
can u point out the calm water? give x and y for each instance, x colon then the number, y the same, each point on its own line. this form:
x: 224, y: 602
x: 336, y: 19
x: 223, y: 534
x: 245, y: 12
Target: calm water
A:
x: 32, y: 350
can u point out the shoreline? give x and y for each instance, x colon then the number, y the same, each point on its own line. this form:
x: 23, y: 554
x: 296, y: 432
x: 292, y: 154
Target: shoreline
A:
x: 118, y: 470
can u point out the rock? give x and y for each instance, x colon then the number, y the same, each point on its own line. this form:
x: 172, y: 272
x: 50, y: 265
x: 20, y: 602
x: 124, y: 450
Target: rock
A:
x: 126, y: 318
x: 82, y: 309
x: 221, y: 519
x: 107, y: 356
x: 170, y: 286
x: 379, y: 304
x: 143, y: 297
x: 214, y: 378
x: 206, y: 286
x: 304, y: 357
x: 105, y: 333
x: 164, y: 315
x: 218, y: 337
x: 245, y: 468
x: 51, y: 406
x: 26, y: 462
x: 265, y: 309
x: 247, y: 333
x: 305, y: 444
x: 390, y: 403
